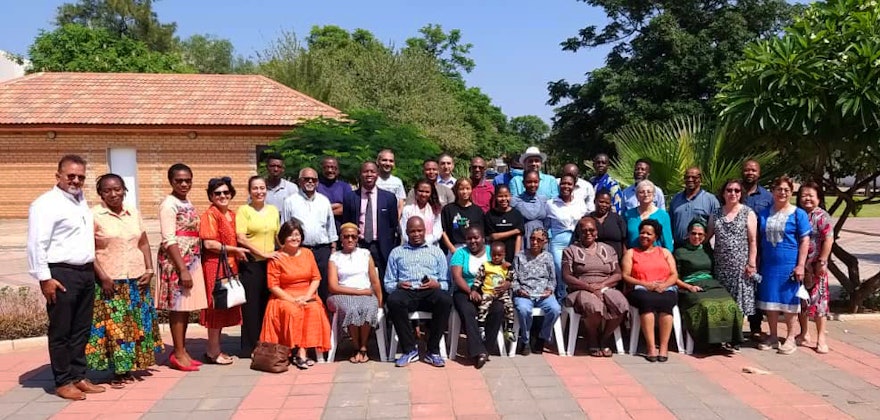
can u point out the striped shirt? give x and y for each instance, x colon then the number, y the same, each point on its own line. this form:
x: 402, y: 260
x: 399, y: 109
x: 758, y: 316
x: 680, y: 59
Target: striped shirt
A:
x: 412, y: 263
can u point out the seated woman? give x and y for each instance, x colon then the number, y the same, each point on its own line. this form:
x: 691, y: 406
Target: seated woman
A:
x: 295, y: 315
x: 591, y: 273
x: 356, y: 290
x: 650, y: 272
x: 711, y: 316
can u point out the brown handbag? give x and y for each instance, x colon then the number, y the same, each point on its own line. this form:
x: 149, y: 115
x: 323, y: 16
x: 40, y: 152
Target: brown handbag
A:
x: 270, y: 357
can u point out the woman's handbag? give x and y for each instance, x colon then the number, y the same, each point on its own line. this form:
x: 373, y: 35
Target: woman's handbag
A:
x: 270, y: 357
x: 228, y: 291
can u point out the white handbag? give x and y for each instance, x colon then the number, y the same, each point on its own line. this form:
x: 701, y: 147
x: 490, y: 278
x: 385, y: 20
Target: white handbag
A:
x: 228, y: 291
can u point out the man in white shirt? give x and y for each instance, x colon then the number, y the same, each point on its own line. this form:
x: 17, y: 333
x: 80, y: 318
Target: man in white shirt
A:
x: 61, y: 255
x: 641, y: 172
x: 447, y: 165
x: 583, y: 190
x: 315, y: 212
x: 277, y: 188
x: 389, y: 182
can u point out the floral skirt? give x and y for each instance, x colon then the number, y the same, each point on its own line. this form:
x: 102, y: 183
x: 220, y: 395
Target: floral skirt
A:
x: 125, y: 332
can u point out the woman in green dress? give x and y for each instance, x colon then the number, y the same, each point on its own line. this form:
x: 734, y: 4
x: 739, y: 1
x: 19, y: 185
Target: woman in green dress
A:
x: 711, y: 316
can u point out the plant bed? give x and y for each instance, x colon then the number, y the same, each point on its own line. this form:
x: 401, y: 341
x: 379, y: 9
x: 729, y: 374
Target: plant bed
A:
x: 22, y: 313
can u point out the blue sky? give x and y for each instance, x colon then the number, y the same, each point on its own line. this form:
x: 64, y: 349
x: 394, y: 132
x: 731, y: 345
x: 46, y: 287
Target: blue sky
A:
x: 516, y: 42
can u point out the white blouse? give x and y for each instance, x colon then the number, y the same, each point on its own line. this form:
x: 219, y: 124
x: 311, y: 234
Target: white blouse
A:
x: 564, y: 216
x: 353, y: 269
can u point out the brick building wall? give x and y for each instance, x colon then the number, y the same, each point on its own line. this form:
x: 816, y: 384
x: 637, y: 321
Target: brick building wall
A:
x: 28, y: 162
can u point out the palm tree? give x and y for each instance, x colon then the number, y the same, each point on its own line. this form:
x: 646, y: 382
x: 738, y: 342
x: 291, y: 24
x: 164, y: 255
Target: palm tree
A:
x: 674, y: 146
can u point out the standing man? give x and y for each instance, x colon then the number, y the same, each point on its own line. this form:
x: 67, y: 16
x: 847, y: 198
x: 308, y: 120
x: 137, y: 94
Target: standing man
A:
x: 430, y: 169
x: 319, y: 226
x: 583, y: 190
x: 603, y: 182
x: 534, y: 159
x: 374, y: 210
x: 447, y: 165
x: 416, y: 281
x: 757, y: 197
x: 61, y: 255
x: 514, y: 168
x: 389, y: 182
x: 641, y: 172
x: 277, y: 188
x: 690, y: 203
x: 483, y: 189
x: 331, y: 187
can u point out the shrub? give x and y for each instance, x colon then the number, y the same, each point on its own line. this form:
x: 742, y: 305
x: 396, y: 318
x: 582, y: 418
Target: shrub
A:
x: 22, y: 313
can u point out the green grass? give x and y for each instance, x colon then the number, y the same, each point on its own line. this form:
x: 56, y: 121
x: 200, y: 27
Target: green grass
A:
x: 870, y: 210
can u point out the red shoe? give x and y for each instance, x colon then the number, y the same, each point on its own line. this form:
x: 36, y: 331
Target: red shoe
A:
x: 175, y: 364
x: 196, y: 362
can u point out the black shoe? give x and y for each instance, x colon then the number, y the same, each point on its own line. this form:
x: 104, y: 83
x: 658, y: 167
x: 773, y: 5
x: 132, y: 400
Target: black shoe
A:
x: 481, y: 360
x: 662, y: 359
x: 539, y: 346
x: 523, y: 349
x: 651, y: 359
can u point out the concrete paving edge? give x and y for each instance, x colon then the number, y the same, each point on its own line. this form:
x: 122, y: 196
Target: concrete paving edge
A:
x: 7, y: 346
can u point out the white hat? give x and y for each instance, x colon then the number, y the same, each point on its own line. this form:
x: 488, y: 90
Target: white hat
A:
x: 530, y: 152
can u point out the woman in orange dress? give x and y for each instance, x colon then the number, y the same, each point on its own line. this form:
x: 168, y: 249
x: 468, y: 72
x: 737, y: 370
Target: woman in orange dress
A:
x: 217, y: 230
x: 295, y: 316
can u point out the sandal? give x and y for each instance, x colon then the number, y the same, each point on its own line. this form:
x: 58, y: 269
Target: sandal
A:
x: 118, y: 382
x: 310, y: 362
x: 362, y: 355
x: 822, y: 348
x: 220, y: 359
x: 356, y: 358
x: 300, y: 363
x: 595, y: 352
x: 606, y: 352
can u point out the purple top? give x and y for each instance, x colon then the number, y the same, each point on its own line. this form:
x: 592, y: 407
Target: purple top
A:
x: 334, y: 191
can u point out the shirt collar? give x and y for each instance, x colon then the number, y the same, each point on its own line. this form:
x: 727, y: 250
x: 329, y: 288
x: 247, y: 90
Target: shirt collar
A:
x: 411, y: 246
x: 306, y: 197
x: 103, y: 209
x: 75, y: 198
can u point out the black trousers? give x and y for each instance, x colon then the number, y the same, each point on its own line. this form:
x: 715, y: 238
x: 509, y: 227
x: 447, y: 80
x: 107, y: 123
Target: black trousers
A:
x: 436, y: 301
x: 322, y: 258
x: 755, y: 321
x: 378, y: 260
x: 253, y: 277
x: 467, y: 311
x: 70, y: 322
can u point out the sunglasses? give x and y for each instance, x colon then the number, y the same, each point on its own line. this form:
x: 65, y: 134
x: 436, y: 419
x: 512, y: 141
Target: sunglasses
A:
x: 349, y: 236
x: 733, y: 190
x: 219, y: 193
x: 73, y: 177
x: 309, y: 179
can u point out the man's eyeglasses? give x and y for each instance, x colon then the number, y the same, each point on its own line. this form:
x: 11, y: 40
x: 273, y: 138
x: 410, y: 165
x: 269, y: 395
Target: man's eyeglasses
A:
x: 74, y: 177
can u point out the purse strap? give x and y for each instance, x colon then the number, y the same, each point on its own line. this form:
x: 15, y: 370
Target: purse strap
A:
x: 224, y: 270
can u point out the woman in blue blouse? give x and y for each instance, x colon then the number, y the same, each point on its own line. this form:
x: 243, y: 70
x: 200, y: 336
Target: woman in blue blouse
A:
x: 647, y: 210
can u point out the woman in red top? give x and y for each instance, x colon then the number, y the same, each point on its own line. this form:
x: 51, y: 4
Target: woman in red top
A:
x: 650, y: 273
x: 295, y: 316
x: 217, y: 230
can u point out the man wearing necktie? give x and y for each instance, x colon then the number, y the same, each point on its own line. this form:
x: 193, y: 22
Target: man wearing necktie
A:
x: 375, y: 212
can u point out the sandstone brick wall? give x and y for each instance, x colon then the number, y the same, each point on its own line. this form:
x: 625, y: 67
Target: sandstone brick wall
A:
x: 28, y: 162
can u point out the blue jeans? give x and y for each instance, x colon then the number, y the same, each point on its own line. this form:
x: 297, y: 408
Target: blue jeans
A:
x: 524, y: 307
x: 558, y: 243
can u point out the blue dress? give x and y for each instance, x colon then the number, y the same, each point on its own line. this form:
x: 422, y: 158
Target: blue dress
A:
x: 633, y: 220
x: 780, y: 234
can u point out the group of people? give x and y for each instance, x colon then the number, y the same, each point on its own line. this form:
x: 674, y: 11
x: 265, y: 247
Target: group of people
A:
x: 492, y: 250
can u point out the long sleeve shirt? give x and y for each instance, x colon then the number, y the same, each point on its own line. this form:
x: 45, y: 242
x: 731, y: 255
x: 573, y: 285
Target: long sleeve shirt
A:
x: 61, y: 229
x: 412, y: 263
x: 316, y: 215
x: 534, y: 274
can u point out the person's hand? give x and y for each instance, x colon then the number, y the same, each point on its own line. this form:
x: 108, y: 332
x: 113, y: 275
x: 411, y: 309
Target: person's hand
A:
x: 695, y: 289
x: 238, y: 253
x: 185, y: 280
x: 475, y: 297
x: 502, y: 287
x: 750, y: 271
x: 50, y: 288
x: 506, y: 265
x: 522, y: 293
x: 431, y: 284
x: 107, y: 288
x: 145, y: 279
x: 799, y: 273
x: 404, y: 284
x: 820, y: 269
x: 546, y: 293
x: 275, y: 255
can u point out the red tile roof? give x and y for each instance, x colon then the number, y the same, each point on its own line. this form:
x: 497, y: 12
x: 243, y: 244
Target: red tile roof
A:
x: 155, y: 99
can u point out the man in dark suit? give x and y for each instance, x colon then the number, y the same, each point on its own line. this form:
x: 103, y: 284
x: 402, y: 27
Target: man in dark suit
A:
x: 375, y: 212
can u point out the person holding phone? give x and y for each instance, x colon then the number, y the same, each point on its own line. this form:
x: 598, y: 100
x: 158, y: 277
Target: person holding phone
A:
x: 415, y: 280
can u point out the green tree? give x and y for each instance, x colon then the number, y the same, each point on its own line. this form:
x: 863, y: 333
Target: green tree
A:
x: 208, y: 54
x: 667, y: 58
x: 77, y: 48
x: 683, y: 142
x: 447, y: 47
x: 122, y: 18
x: 355, y: 141
x: 531, y: 129
x: 814, y: 92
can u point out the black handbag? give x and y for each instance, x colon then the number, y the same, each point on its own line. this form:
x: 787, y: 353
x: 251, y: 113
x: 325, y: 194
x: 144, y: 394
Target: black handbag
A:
x: 228, y: 291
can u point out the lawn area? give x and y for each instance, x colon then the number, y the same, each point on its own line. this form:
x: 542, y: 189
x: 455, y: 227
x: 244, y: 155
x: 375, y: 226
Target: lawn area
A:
x: 871, y: 210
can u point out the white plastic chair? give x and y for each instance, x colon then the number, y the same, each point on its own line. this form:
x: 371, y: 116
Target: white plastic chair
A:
x: 455, y: 332
x: 573, y: 319
x: 414, y: 316
x: 557, y: 333
x: 636, y: 331
x: 379, y: 331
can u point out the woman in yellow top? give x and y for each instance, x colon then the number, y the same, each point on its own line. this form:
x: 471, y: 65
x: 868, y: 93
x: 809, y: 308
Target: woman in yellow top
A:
x: 256, y: 227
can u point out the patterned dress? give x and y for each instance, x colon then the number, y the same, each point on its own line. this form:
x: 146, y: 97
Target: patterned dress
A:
x: 215, y: 226
x: 820, y: 220
x: 732, y: 256
x: 179, y: 225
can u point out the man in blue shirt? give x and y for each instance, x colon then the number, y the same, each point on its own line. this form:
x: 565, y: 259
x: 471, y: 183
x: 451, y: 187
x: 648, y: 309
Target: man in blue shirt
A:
x: 757, y: 197
x: 603, y: 182
x: 690, y: 203
x: 332, y: 188
x: 641, y: 172
x: 514, y: 168
x: 534, y: 159
x: 416, y: 281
